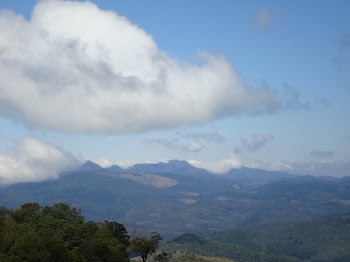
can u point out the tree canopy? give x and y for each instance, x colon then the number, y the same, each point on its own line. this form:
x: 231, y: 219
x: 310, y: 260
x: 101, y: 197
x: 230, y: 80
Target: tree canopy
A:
x: 59, y: 233
x: 144, y: 243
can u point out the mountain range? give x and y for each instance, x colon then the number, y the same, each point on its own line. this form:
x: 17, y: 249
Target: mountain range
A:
x: 177, y: 197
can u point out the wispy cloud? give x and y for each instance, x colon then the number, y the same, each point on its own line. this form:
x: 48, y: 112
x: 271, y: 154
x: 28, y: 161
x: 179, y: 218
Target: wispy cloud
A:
x: 344, y: 45
x: 32, y: 160
x: 175, y: 145
x: 254, y: 144
x: 293, y: 101
x: 209, y: 136
x: 321, y: 154
x: 76, y: 68
x: 265, y: 19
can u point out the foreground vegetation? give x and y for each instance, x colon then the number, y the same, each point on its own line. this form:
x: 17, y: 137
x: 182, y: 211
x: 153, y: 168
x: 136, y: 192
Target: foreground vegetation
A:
x: 59, y: 233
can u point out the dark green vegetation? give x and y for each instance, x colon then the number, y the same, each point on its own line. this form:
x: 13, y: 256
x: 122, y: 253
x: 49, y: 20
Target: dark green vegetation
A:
x: 178, y: 197
x: 59, y: 233
x: 192, y: 245
x: 201, y: 259
x: 322, y: 239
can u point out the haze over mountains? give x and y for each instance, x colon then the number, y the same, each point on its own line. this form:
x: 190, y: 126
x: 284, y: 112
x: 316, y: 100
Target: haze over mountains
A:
x: 177, y: 197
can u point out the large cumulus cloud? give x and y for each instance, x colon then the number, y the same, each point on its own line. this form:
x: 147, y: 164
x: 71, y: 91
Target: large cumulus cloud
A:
x: 32, y: 160
x: 73, y: 67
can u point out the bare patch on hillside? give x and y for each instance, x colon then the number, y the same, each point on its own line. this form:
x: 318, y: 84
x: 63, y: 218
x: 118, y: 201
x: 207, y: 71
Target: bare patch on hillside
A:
x: 188, y: 201
x: 152, y: 180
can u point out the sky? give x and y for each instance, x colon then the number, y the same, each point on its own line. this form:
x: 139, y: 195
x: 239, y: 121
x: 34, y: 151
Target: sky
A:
x: 220, y: 84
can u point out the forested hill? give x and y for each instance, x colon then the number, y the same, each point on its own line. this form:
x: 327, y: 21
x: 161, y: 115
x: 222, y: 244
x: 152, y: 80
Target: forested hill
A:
x: 322, y: 239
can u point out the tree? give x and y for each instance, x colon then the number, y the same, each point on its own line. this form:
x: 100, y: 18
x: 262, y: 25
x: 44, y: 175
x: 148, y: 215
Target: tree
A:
x: 144, y: 243
x: 26, y: 212
x: 117, y: 230
x: 161, y: 257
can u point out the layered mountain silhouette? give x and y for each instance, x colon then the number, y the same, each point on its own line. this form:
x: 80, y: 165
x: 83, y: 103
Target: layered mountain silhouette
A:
x: 177, y: 197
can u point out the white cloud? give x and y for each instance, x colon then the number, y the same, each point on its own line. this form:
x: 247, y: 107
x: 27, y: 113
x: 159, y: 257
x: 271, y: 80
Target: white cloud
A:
x: 32, y: 160
x: 316, y: 168
x: 76, y: 68
x: 194, y: 147
x: 129, y: 163
x: 218, y: 167
x: 104, y: 162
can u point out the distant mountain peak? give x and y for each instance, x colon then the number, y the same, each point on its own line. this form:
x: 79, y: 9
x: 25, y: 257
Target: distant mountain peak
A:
x: 89, y: 166
x: 115, y: 168
x: 179, y: 163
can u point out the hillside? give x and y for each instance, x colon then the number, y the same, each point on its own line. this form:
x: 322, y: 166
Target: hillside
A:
x: 322, y: 239
x: 190, y: 244
x: 202, y: 259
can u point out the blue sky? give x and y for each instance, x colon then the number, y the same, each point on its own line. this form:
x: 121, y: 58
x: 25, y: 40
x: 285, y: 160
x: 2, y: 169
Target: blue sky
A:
x: 255, y: 83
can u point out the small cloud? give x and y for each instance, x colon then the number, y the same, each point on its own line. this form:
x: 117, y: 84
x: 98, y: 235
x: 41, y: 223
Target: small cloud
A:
x: 317, y: 168
x: 32, y: 160
x: 174, y: 144
x: 194, y: 147
x: 318, y: 153
x: 254, y: 144
x: 103, y: 162
x: 345, y: 41
x: 265, y: 19
x: 293, y: 101
x: 342, y: 57
x: 347, y: 138
x: 209, y: 137
x: 274, y: 166
x: 218, y: 167
x: 323, y: 102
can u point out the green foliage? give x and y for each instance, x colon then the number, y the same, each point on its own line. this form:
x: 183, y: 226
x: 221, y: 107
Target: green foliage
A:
x: 40, y: 246
x: 59, y: 233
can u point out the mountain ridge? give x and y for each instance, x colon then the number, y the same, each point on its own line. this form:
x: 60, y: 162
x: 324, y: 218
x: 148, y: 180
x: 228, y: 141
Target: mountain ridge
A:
x: 185, y: 202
